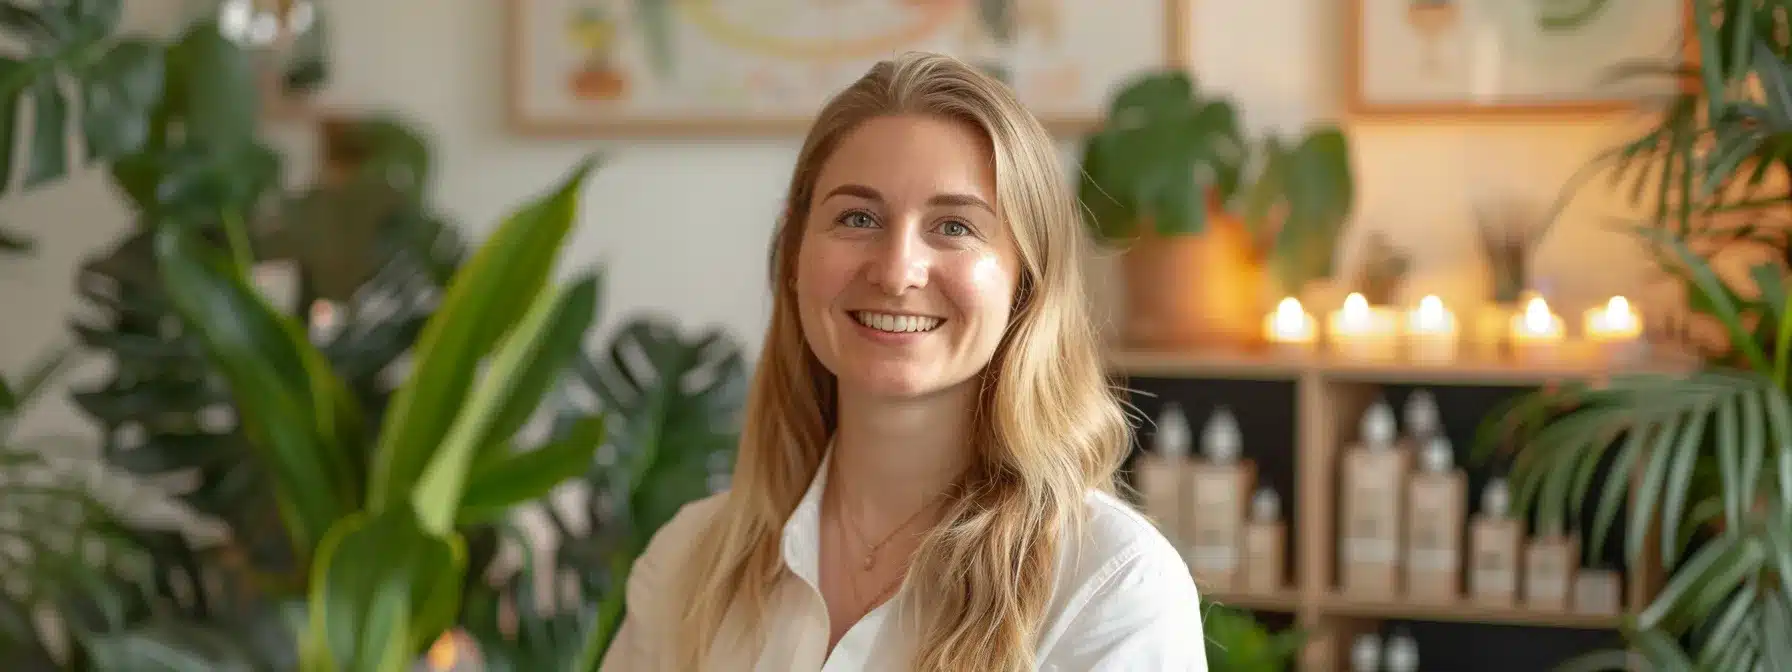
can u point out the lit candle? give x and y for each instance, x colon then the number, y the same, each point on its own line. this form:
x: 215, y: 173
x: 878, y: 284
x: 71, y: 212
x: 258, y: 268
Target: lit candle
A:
x: 1290, y: 327
x: 1431, y: 332
x: 1360, y: 331
x: 1536, y: 333
x: 1614, y: 330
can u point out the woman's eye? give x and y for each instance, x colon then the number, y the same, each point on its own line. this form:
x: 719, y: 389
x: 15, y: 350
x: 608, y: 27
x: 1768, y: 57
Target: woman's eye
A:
x: 857, y: 220
x: 955, y: 228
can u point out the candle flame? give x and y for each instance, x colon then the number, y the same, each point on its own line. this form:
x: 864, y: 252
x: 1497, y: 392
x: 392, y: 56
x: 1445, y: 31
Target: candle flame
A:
x: 1536, y: 315
x: 1289, y: 316
x: 1430, y: 312
x: 1355, y: 306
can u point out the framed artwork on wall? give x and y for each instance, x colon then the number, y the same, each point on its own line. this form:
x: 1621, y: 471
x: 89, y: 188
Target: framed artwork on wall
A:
x: 1506, y: 57
x: 630, y: 67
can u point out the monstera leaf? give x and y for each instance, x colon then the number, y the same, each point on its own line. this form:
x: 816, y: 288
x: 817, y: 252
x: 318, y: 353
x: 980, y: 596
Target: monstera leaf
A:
x: 70, y: 48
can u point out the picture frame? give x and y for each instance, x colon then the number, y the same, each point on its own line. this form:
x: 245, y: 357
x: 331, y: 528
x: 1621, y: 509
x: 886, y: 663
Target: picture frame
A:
x: 1500, y: 58
x: 622, y: 68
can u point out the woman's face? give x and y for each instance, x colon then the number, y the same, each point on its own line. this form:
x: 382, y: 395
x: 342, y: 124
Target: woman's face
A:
x: 906, y: 273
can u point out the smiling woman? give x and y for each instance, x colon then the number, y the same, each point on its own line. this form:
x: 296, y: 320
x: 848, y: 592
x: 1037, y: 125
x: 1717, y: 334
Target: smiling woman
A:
x: 926, y: 475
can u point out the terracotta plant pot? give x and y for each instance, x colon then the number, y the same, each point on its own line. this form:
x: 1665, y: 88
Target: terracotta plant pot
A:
x: 1194, y: 291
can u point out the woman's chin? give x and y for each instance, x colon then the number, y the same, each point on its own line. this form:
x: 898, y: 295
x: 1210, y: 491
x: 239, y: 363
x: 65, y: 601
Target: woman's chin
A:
x: 892, y: 382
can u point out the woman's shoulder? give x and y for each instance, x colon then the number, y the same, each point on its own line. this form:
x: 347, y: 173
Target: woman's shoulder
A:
x: 674, y: 538
x: 1116, y: 533
x: 1124, y: 597
x: 1120, y: 555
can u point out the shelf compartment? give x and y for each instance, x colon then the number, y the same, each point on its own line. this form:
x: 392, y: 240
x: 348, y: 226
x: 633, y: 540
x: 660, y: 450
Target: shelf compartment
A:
x: 1465, y: 611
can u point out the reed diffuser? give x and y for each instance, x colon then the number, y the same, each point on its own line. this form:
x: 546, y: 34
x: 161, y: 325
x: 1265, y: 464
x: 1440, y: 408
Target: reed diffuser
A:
x: 1509, y: 232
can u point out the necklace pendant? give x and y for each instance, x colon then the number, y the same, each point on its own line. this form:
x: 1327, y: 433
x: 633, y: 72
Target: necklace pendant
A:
x: 870, y: 559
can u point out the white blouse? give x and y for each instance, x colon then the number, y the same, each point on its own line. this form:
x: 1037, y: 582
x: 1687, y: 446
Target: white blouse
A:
x: 1124, y: 600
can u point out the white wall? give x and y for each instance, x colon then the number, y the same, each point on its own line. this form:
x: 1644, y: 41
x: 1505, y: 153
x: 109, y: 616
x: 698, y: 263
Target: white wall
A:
x: 682, y: 227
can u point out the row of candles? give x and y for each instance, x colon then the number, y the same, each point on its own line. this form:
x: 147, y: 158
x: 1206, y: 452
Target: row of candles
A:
x: 1431, y: 333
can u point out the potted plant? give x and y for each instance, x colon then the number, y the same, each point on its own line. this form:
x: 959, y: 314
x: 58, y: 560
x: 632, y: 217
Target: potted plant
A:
x: 1205, y: 215
x: 1704, y: 455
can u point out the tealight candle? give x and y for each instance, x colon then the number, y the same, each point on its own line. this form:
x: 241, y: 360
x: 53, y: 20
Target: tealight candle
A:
x: 1536, y: 333
x: 1614, y: 330
x: 1360, y: 331
x: 1290, y: 327
x: 1432, y: 334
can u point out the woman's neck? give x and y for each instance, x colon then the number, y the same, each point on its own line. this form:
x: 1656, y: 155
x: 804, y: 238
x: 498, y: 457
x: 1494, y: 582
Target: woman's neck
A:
x: 893, y: 457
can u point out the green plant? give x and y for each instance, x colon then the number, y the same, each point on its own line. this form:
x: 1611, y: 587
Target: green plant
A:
x: 674, y: 404
x: 1168, y: 155
x: 1706, y: 455
x: 1237, y: 642
x: 374, y: 516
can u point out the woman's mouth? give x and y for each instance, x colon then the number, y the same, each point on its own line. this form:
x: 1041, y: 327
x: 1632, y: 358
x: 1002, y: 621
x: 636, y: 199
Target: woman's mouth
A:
x: 896, y: 324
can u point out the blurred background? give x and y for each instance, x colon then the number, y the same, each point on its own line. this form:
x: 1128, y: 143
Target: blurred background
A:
x: 1375, y: 274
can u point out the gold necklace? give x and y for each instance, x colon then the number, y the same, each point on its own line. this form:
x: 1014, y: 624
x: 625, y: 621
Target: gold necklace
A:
x: 872, y: 550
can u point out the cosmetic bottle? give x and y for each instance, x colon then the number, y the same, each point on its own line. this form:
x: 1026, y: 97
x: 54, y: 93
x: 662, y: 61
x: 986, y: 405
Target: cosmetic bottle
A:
x: 1422, y: 420
x: 1365, y: 653
x: 1494, y: 544
x: 1219, y: 482
x: 1163, y: 474
x: 1264, y: 543
x: 1402, y: 654
x: 1434, y: 522
x: 1549, y: 563
x: 1373, y: 489
x: 1598, y: 591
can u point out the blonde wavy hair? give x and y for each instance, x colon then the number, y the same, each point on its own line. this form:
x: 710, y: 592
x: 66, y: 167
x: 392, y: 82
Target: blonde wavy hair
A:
x: 1050, y: 427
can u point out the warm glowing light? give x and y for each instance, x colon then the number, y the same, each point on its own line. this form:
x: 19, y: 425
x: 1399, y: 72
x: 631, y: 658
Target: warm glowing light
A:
x: 1289, y: 317
x: 1356, y: 308
x: 1431, y: 332
x: 1537, y: 318
x: 1290, y: 324
x: 1431, y: 314
x: 1536, y: 334
x: 1361, y: 331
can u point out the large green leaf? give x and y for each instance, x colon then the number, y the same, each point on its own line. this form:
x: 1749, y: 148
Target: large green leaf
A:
x: 1162, y: 151
x: 1319, y: 193
x: 488, y: 296
x: 71, y: 48
x: 297, y: 411
x: 382, y: 589
x: 526, y: 363
x: 501, y: 481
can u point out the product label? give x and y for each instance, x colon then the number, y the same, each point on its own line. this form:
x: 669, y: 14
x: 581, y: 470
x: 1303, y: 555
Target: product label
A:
x: 1358, y: 550
x: 1492, y: 581
x: 1433, y: 560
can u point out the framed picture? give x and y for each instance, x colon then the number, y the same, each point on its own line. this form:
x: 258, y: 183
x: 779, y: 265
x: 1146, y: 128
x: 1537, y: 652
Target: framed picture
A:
x: 1506, y: 57
x: 629, y: 67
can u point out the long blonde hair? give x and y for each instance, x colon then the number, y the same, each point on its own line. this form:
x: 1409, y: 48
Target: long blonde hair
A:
x: 1050, y: 427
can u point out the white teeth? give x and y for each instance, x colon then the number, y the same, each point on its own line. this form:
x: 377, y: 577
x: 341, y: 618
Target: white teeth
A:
x: 896, y: 323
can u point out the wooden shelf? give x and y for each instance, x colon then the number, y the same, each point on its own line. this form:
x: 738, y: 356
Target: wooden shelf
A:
x: 1328, y: 395
x: 1285, y: 601
x: 1467, y: 370
x: 1465, y: 612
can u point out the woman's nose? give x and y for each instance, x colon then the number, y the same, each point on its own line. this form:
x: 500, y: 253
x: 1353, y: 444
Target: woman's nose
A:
x: 900, y: 262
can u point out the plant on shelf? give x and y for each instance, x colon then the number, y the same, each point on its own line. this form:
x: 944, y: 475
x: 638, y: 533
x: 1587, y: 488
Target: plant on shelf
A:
x: 1237, y: 642
x: 1203, y: 211
x: 1704, y: 455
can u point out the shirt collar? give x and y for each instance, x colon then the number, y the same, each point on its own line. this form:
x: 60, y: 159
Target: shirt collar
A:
x: 802, y: 532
